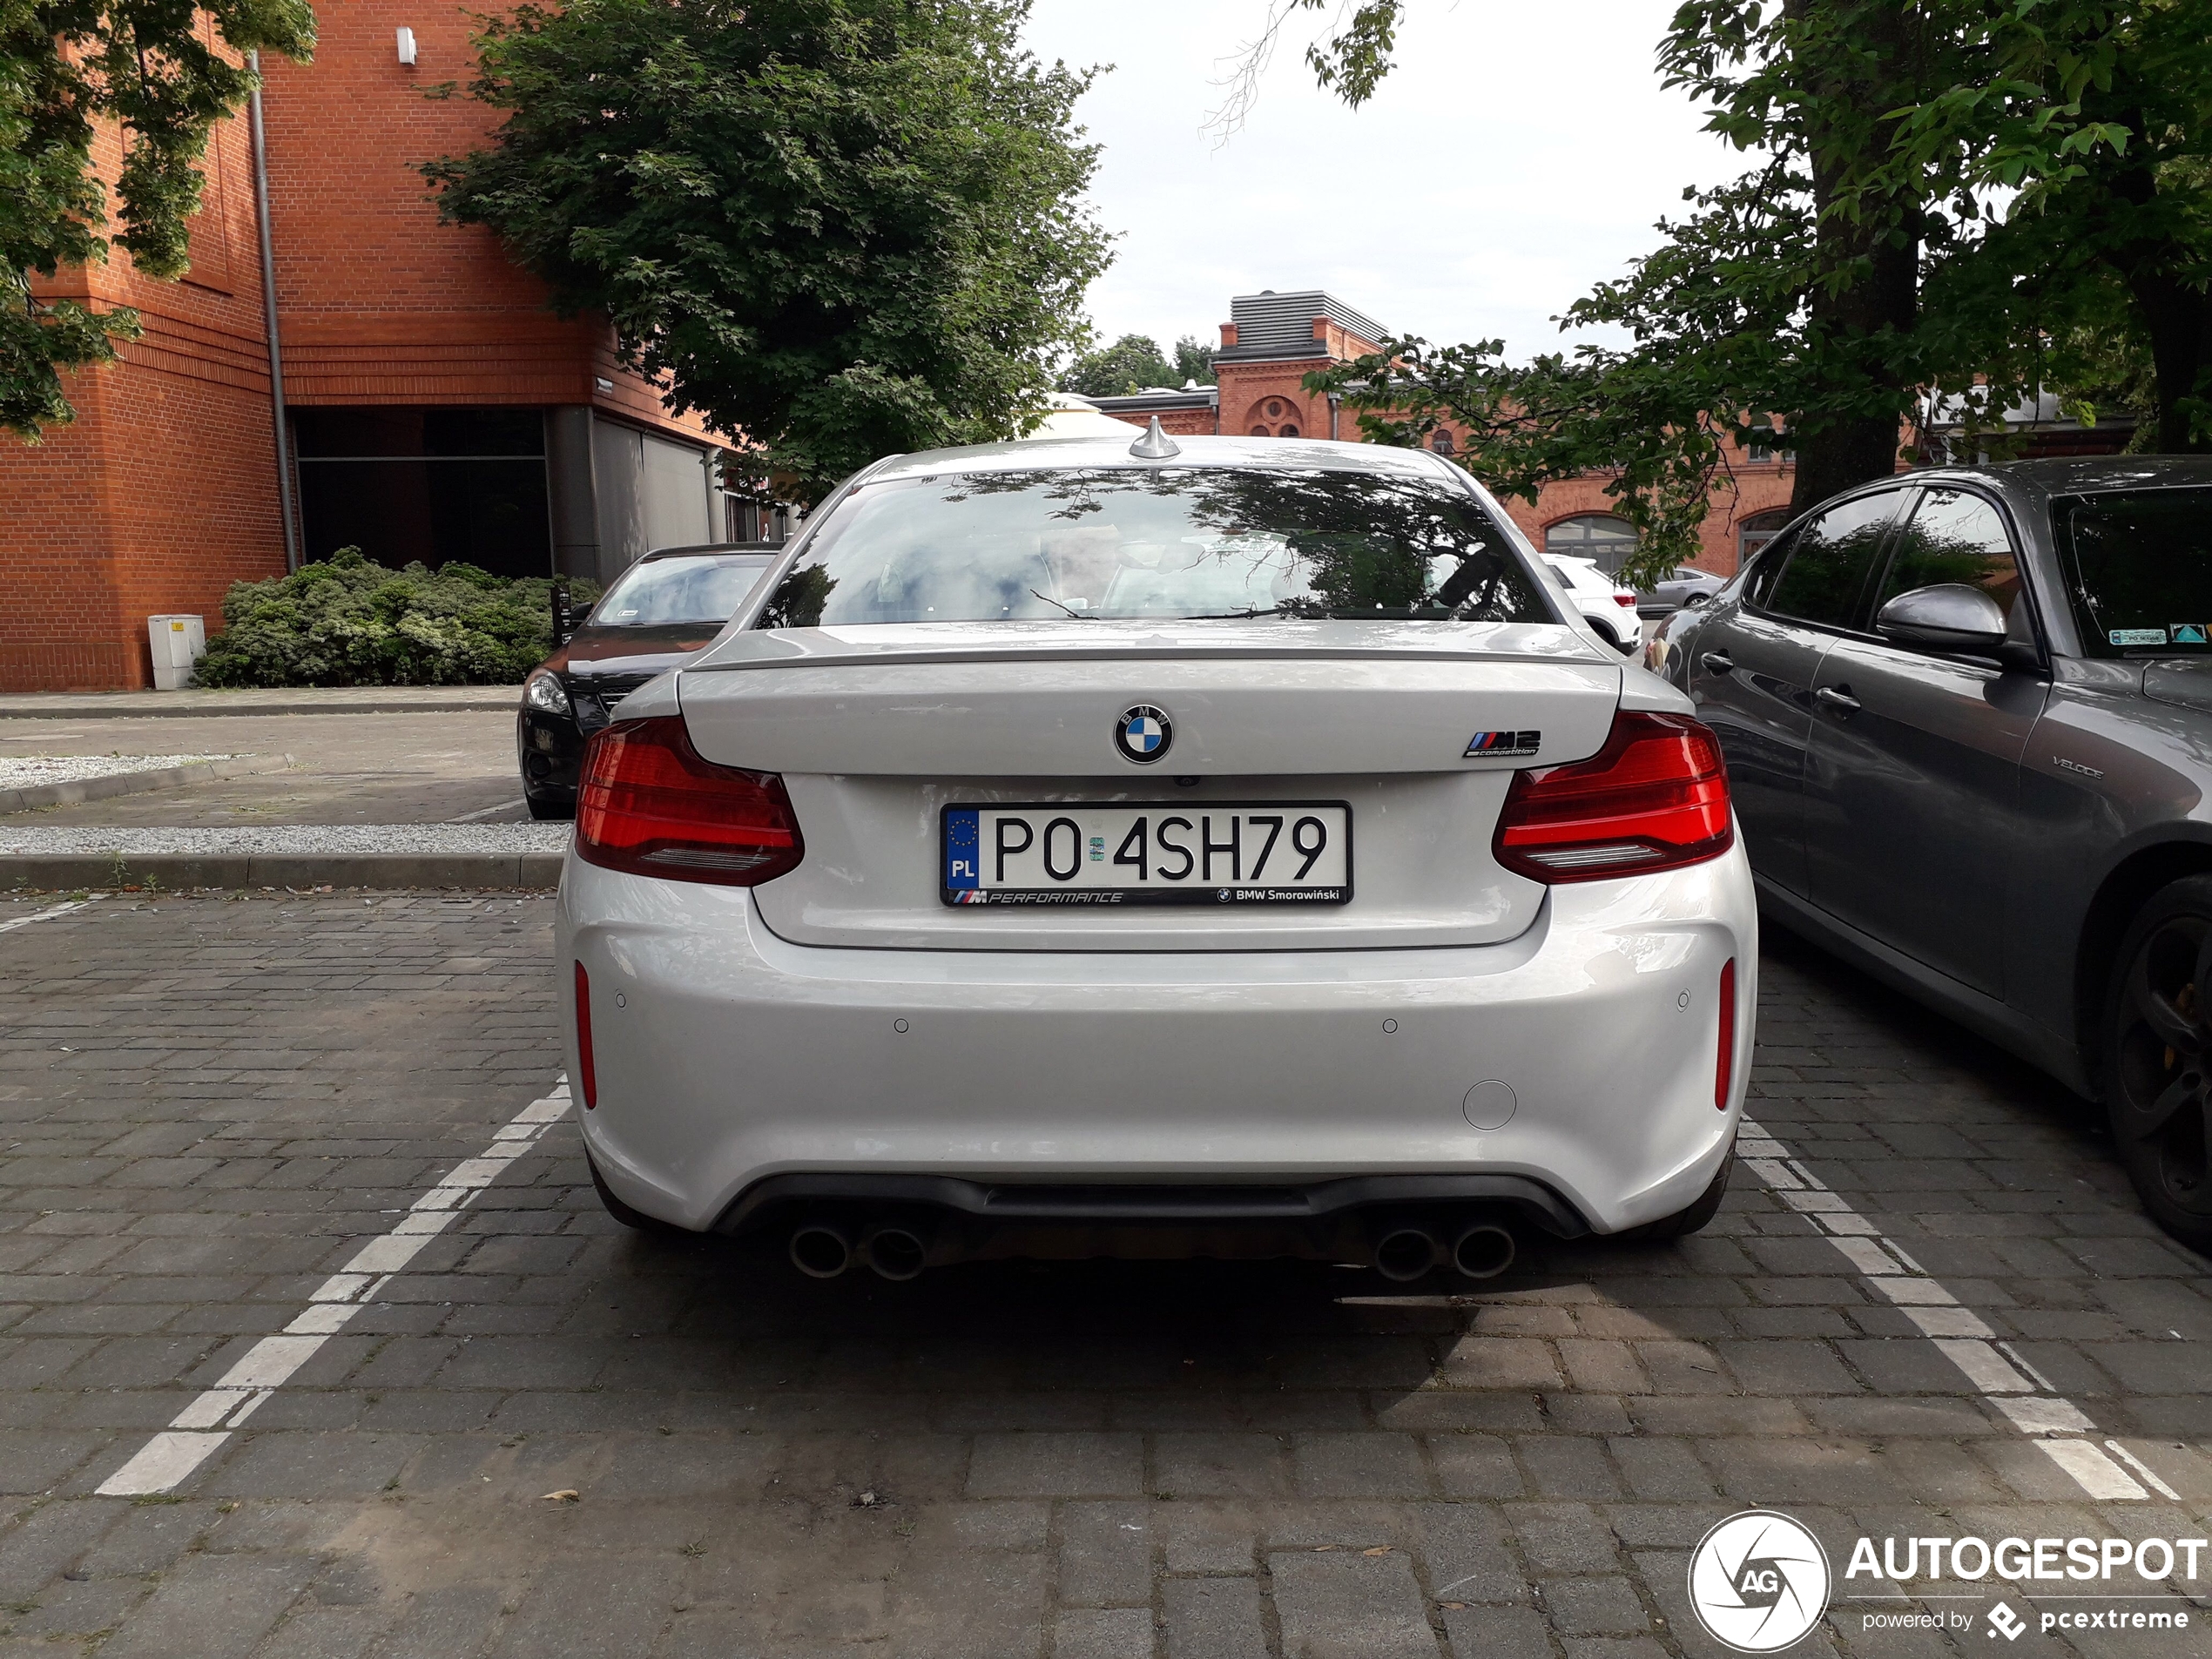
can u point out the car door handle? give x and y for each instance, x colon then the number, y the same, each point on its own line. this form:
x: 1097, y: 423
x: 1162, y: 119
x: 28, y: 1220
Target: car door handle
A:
x: 1839, y: 697
x: 1719, y: 662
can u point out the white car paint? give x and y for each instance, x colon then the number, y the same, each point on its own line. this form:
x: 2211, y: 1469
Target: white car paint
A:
x: 839, y: 1020
x: 1600, y: 599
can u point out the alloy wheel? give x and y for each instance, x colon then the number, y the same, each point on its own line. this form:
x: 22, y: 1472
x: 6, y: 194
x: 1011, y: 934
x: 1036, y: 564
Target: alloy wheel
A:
x: 2164, y: 1051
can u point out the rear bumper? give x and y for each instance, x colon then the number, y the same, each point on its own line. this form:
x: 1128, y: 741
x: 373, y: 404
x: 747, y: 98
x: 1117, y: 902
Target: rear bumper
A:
x: 726, y: 1057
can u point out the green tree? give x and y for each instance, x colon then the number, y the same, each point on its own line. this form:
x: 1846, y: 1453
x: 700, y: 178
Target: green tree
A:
x: 1130, y: 364
x: 843, y: 228
x: 1193, y: 361
x: 70, y: 69
x: 1945, y: 198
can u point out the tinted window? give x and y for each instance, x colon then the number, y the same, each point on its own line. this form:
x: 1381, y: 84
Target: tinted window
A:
x: 2143, y: 569
x: 1831, y: 559
x: 1954, y: 536
x: 1071, y: 546
x: 653, y: 592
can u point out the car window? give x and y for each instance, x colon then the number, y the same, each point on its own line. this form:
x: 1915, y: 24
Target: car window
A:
x: 1954, y: 536
x: 707, y: 588
x: 1755, y: 582
x: 1191, y: 543
x: 1832, y: 558
x: 2142, y: 569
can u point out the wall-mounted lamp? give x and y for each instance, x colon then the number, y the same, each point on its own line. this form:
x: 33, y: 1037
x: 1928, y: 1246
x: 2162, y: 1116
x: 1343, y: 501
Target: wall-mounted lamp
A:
x: 406, y: 37
x: 600, y: 382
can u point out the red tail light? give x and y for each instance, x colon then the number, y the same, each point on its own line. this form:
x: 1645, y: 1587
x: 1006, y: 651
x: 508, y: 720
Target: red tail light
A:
x: 1626, y: 601
x: 1655, y: 797
x: 588, y: 1078
x: 1725, y: 1070
x: 650, y: 805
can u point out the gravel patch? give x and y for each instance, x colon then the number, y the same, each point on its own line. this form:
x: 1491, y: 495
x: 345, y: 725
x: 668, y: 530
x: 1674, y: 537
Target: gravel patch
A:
x: 28, y: 771
x: 423, y: 840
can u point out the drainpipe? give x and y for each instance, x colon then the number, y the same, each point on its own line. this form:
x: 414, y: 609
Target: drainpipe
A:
x: 1336, y: 402
x: 285, y: 505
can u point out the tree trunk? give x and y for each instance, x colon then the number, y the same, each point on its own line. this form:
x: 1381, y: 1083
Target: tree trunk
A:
x: 1855, y: 438
x: 2179, y: 320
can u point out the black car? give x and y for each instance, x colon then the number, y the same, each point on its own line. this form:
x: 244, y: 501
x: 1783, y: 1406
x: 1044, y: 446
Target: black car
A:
x: 1967, y: 715
x: 664, y: 607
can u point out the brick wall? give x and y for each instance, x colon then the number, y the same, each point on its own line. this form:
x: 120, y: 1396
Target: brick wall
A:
x: 163, y: 491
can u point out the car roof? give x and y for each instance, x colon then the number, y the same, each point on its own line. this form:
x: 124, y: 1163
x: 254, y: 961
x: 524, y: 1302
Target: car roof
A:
x: 2080, y: 475
x: 1032, y: 454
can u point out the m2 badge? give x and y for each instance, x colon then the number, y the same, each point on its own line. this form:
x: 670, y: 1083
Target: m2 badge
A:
x: 1483, y: 745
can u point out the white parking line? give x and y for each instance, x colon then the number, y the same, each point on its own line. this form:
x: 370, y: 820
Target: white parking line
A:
x: 195, y: 1431
x: 45, y: 916
x: 2016, y: 1391
x: 486, y: 811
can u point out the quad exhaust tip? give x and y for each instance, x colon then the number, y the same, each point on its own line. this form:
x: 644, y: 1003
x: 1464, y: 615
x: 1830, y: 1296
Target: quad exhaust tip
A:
x: 1483, y: 1251
x: 821, y: 1252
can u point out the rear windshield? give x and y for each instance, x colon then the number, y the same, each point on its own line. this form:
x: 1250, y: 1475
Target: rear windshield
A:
x: 1170, y: 543
x: 702, y: 588
x: 2142, y: 564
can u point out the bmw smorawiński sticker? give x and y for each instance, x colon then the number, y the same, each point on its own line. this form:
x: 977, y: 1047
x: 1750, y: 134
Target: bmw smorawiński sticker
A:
x: 1143, y: 733
x: 1502, y: 742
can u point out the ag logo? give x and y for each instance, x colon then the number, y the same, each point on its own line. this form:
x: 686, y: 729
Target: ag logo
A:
x: 1758, y: 1581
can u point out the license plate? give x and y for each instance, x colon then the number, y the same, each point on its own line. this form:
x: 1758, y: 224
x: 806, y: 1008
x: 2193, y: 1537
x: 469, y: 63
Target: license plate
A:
x: 1149, y: 852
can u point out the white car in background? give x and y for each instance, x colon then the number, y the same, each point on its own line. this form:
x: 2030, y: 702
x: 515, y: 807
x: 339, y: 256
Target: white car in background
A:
x: 1608, y: 606
x: 1089, y: 848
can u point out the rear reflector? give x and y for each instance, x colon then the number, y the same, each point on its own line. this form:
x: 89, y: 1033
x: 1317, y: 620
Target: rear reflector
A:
x: 588, y: 1074
x: 1725, y: 1070
x: 1655, y: 797
x: 649, y: 805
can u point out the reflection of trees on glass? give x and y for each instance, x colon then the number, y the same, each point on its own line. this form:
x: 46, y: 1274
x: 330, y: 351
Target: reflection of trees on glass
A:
x: 1156, y: 542
x: 799, y: 598
x: 1954, y: 538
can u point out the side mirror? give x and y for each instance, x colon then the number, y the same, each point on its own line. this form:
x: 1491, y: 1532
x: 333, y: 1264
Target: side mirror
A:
x: 1949, y: 615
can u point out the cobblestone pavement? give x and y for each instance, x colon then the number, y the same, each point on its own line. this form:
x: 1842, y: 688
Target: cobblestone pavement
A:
x: 208, y: 1106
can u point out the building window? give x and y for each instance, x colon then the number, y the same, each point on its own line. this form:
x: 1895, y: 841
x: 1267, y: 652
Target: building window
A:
x: 1754, y: 531
x: 1440, y: 440
x: 1767, y: 444
x: 1288, y: 432
x: 1592, y: 535
x: 1274, y: 408
x: 1260, y: 432
x: 435, y: 485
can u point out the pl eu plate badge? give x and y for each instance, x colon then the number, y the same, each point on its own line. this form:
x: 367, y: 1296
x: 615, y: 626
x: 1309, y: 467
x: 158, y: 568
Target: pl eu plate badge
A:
x: 963, y: 855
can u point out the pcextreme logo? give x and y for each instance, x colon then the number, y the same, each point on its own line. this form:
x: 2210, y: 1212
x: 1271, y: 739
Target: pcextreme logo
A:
x: 1758, y: 1581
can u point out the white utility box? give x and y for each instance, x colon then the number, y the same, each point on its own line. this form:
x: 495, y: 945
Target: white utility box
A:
x: 178, y: 643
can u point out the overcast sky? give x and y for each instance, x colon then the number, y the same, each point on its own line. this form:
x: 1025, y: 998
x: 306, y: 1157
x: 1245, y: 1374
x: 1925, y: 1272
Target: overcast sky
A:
x: 1519, y: 154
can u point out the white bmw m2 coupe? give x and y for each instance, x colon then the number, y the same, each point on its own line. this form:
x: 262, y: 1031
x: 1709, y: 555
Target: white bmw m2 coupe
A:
x: 1210, y: 846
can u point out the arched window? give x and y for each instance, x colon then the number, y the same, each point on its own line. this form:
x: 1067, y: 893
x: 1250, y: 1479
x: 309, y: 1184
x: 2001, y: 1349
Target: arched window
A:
x: 1440, y: 440
x: 1592, y: 535
x: 1274, y: 409
x: 1754, y: 531
x: 1290, y: 431
x: 1260, y: 432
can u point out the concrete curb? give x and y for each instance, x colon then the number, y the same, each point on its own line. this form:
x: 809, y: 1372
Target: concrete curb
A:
x: 172, y: 872
x: 78, y: 790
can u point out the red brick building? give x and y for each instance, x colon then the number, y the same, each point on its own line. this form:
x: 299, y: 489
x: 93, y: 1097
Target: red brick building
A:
x: 434, y: 408
x: 1273, y: 340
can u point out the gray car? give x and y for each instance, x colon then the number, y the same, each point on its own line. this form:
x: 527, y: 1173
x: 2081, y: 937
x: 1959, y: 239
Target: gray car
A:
x: 1967, y: 715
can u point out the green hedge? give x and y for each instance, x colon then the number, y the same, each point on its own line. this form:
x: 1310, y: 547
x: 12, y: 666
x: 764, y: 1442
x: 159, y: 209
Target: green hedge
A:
x: 347, y: 621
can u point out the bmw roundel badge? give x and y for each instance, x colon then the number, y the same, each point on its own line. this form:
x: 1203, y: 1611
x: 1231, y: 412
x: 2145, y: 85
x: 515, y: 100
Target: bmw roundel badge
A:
x: 1143, y: 733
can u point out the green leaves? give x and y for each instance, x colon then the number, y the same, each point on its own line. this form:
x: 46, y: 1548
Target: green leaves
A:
x: 344, y: 621
x: 841, y: 228
x: 68, y: 68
